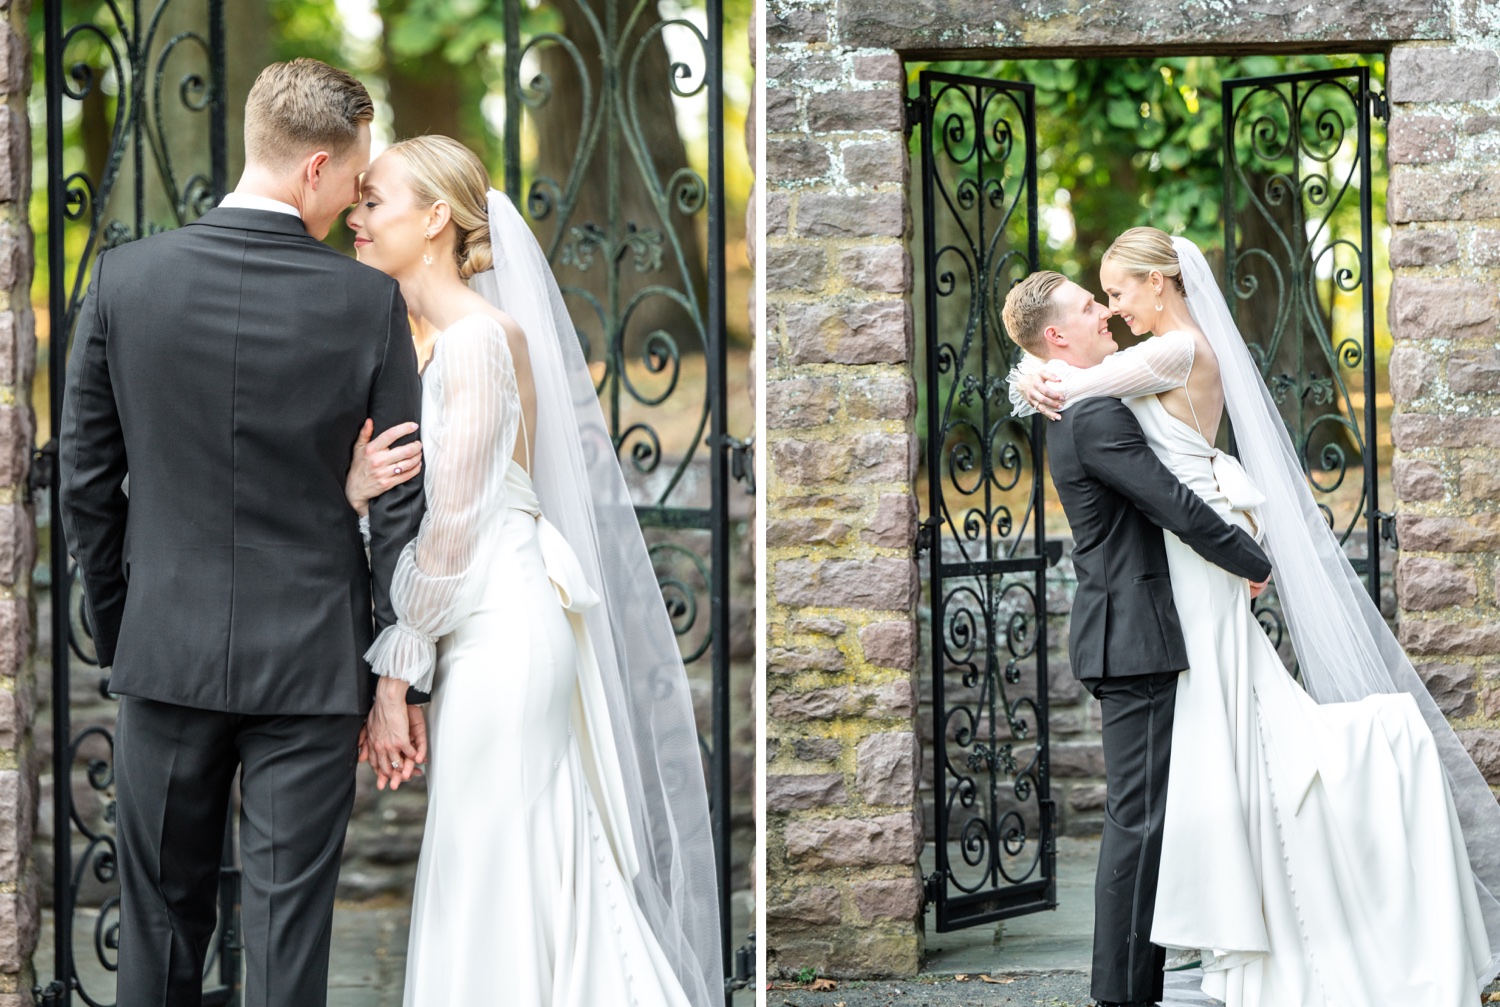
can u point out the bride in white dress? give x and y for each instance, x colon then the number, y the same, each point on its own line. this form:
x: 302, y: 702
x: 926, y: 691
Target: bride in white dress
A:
x: 567, y: 857
x: 1313, y: 851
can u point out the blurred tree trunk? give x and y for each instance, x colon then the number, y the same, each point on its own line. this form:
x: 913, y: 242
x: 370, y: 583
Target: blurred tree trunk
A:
x: 247, y: 26
x: 558, y: 127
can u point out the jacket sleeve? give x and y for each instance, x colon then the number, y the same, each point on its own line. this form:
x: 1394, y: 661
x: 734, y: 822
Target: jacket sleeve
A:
x: 1151, y: 366
x: 93, y: 467
x: 395, y: 397
x: 1112, y: 448
x: 439, y: 572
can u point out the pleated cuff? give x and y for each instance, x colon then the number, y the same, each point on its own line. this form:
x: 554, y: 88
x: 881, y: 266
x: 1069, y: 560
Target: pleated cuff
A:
x: 364, y: 529
x: 402, y: 652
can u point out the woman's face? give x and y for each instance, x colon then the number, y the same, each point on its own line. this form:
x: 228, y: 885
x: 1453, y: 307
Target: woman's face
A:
x: 1131, y: 297
x: 390, y: 229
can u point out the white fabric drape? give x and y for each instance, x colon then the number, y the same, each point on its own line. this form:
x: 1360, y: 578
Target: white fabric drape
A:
x: 470, y: 426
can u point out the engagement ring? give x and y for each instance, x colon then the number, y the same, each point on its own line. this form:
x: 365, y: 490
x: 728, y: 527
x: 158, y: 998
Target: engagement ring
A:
x: 398, y: 470
x: 395, y: 763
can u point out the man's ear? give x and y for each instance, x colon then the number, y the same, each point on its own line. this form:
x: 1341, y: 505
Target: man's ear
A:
x: 313, y: 168
x: 1053, y: 337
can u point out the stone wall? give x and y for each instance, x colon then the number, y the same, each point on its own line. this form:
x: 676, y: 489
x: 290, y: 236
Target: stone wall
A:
x: 18, y: 879
x: 845, y: 806
x: 842, y: 833
x: 1444, y: 208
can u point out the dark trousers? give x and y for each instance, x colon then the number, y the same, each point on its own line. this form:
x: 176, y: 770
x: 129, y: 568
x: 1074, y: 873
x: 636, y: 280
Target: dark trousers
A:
x: 1137, y: 753
x: 174, y: 769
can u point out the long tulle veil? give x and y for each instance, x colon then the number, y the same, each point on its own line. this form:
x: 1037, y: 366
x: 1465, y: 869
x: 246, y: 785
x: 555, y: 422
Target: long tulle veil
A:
x: 1344, y: 648
x: 583, y: 494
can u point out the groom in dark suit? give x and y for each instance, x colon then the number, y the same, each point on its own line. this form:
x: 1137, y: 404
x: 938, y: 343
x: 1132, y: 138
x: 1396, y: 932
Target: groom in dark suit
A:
x: 1125, y: 641
x: 225, y: 369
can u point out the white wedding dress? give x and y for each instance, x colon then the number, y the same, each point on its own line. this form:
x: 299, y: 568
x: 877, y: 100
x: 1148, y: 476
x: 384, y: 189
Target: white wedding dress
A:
x: 523, y: 893
x: 1312, y: 852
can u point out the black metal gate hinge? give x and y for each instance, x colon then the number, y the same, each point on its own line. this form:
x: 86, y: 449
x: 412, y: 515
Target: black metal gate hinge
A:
x: 43, y: 473
x: 932, y: 889
x: 916, y: 112
x: 742, y: 461
x: 1385, y: 524
x: 1380, y: 106
x: 927, y: 534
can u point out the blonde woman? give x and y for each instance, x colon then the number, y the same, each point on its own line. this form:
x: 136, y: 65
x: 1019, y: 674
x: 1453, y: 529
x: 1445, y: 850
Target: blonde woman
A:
x: 567, y: 857
x: 1322, y: 847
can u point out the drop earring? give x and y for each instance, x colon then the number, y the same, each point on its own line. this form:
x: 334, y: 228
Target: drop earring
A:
x: 427, y: 255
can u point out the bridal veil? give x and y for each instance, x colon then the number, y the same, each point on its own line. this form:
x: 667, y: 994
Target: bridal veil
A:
x: 583, y: 494
x: 1344, y: 648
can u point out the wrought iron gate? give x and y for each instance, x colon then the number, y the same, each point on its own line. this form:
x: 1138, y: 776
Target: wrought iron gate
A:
x: 156, y: 79
x: 141, y: 73
x: 983, y: 530
x: 1299, y: 277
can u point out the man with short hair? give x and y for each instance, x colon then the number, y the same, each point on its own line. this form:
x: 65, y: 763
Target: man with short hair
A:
x: 1125, y: 641
x: 226, y: 369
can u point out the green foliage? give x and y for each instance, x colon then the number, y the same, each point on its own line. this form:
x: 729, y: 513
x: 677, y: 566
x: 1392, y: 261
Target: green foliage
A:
x: 806, y: 975
x: 1127, y: 142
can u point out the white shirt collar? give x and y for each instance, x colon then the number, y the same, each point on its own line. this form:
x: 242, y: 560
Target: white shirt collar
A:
x: 250, y: 201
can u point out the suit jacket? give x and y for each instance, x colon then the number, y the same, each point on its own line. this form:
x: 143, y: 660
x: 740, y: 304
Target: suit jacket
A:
x: 226, y: 367
x: 1118, y: 497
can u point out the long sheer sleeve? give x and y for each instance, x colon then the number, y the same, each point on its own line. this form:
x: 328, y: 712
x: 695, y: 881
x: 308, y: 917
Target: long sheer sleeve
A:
x: 1154, y: 365
x: 437, y: 576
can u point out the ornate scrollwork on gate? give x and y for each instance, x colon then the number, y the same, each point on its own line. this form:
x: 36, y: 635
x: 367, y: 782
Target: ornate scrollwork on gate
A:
x: 147, y: 82
x: 1297, y: 219
x: 984, y: 532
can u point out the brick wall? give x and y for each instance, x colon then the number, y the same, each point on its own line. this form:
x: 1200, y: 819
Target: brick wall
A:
x: 1444, y: 207
x: 843, y: 832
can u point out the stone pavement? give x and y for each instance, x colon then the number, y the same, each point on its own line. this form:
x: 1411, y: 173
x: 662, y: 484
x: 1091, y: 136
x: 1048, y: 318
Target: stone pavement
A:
x: 368, y: 961
x: 1041, y: 960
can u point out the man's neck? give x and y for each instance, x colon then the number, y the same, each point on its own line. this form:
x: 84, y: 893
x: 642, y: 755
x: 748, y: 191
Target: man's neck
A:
x: 259, y: 183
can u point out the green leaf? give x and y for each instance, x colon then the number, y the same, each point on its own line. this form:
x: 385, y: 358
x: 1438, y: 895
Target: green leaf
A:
x: 1175, y: 158
x: 1123, y: 113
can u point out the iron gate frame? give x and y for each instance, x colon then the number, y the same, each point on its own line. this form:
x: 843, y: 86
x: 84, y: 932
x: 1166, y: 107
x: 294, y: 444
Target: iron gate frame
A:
x: 71, y: 196
x: 990, y: 901
x: 1301, y: 260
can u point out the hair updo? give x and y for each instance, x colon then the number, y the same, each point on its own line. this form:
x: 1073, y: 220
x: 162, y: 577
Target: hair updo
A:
x: 443, y: 169
x: 1143, y: 250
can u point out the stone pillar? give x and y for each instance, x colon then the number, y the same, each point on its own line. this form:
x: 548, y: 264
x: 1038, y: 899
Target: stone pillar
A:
x: 843, y: 828
x: 1444, y: 205
x: 18, y: 785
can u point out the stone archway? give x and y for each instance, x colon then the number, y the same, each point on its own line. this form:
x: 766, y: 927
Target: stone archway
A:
x: 844, y: 830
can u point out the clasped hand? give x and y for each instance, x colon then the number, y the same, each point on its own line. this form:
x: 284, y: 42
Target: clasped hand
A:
x: 1033, y: 388
x: 394, y: 738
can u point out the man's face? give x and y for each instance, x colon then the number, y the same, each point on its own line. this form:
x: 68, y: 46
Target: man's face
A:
x: 1079, y: 333
x: 337, y: 186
